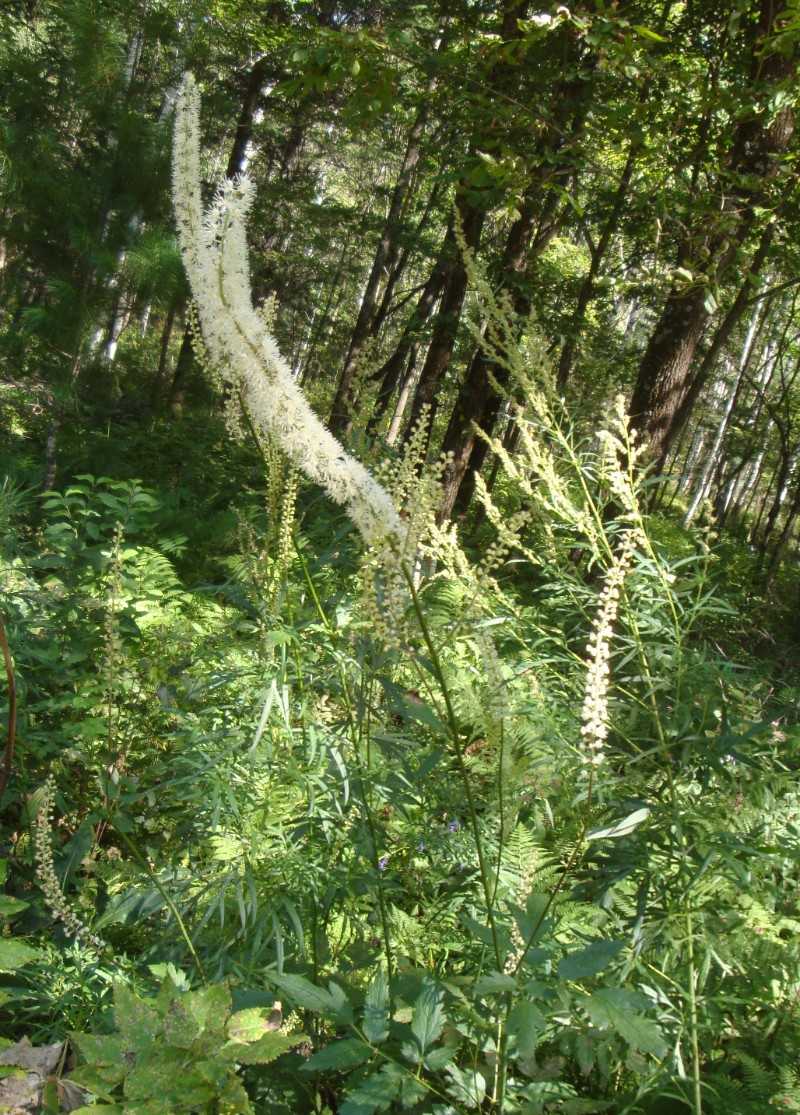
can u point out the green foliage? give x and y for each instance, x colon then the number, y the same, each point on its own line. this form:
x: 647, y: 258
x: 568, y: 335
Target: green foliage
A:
x: 178, y: 1052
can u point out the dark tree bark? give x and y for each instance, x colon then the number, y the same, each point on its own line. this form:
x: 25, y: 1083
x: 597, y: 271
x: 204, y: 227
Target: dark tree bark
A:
x: 720, y: 339
x: 666, y: 372
x: 597, y: 251
x: 384, y: 265
x: 448, y: 317
x: 391, y: 373
x: 479, y: 399
x: 471, y: 208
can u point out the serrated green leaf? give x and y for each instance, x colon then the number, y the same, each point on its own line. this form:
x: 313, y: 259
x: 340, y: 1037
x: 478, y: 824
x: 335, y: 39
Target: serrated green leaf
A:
x: 209, y: 1006
x: 526, y: 1023
x: 373, y: 1094
x: 180, y: 1028
x: 531, y: 921
x: 436, y: 1059
x: 10, y: 906
x: 427, y: 1019
x: 613, y: 1009
x: 261, y: 1052
x: 482, y: 933
x: 344, y: 1054
x: 590, y: 960
x: 99, y: 1049
x: 306, y: 995
x: 495, y: 983
x: 248, y: 1025
x: 14, y: 954
x: 466, y: 1087
x: 136, y: 1020
x: 376, y: 1010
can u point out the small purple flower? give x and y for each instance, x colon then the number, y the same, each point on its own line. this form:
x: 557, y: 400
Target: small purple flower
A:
x: 454, y: 826
x: 382, y: 863
x: 421, y: 846
x: 459, y: 867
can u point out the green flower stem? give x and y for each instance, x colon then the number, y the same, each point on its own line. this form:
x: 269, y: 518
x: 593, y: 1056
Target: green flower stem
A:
x: 373, y: 832
x: 460, y: 761
x: 163, y: 892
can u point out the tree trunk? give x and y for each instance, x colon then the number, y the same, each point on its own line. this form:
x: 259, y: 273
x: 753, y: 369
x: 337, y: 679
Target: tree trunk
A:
x: 386, y: 255
x: 712, y: 462
x: 665, y: 376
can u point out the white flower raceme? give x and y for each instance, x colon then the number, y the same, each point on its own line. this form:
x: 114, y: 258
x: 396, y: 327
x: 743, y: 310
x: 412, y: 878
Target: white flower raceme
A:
x: 214, y: 249
x: 595, y: 702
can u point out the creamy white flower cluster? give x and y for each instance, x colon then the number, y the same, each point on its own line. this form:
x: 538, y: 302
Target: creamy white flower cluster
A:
x: 48, y: 880
x: 215, y: 255
x: 595, y: 703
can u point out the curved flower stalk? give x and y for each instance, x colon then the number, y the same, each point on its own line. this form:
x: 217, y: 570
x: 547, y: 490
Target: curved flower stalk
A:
x: 214, y: 250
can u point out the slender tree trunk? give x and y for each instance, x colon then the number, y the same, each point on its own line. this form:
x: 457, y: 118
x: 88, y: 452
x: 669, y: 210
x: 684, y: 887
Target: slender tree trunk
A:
x: 783, y: 540
x: 712, y: 462
x: 386, y: 254
x: 477, y: 400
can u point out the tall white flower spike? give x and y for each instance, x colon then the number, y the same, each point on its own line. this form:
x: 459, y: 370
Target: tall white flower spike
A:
x: 214, y: 250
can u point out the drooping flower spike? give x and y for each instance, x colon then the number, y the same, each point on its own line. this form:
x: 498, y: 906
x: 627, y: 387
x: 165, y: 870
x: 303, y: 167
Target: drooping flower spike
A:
x: 214, y: 250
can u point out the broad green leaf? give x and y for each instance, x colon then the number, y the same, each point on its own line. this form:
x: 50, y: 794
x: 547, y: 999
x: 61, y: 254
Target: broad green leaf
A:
x: 590, y: 960
x: 210, y: 1006
x: 376, y: 1010
x: 98, y: 1109
x: 467, y: 1087
x: 249, y: 1024
x: 180, y: 1028
x: 427, y: 1020
x: 436, y: 1059
x: 99, y: 1049
x: 306, y: 995
x: 14, y: 954
x: 10, y: 906
x: 494, y: 983
x: 373, y: 1094
x: 526, y: 1022
x: 614, y: 1009
x: 531, y: 921
x: 482, y: 933
x: 261, y: 1052
x: 648, y: 34
x: 73, y: 855
x: 138, y: 1022
x: 344, y: 1054
x: 621, y: 828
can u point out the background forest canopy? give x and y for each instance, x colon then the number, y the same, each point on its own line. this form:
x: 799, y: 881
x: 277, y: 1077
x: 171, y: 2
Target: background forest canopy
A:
x: 623, y: 174
x: 514, y: 828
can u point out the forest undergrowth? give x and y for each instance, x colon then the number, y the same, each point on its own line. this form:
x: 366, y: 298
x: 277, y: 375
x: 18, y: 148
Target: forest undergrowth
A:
x: 253, y: 783
x: 498, y: 818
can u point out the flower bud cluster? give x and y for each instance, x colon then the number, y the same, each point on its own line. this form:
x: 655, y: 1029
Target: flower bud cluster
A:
x: 45, y: 871
x: 594, y: 729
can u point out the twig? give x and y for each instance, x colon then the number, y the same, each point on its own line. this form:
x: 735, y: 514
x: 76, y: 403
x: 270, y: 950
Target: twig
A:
x: 12, y: 710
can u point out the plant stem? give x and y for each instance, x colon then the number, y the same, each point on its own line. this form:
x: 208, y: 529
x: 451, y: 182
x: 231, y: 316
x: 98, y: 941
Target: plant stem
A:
x: 12, y: 710
x: 693, y: 1027
x: 163, y: 892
